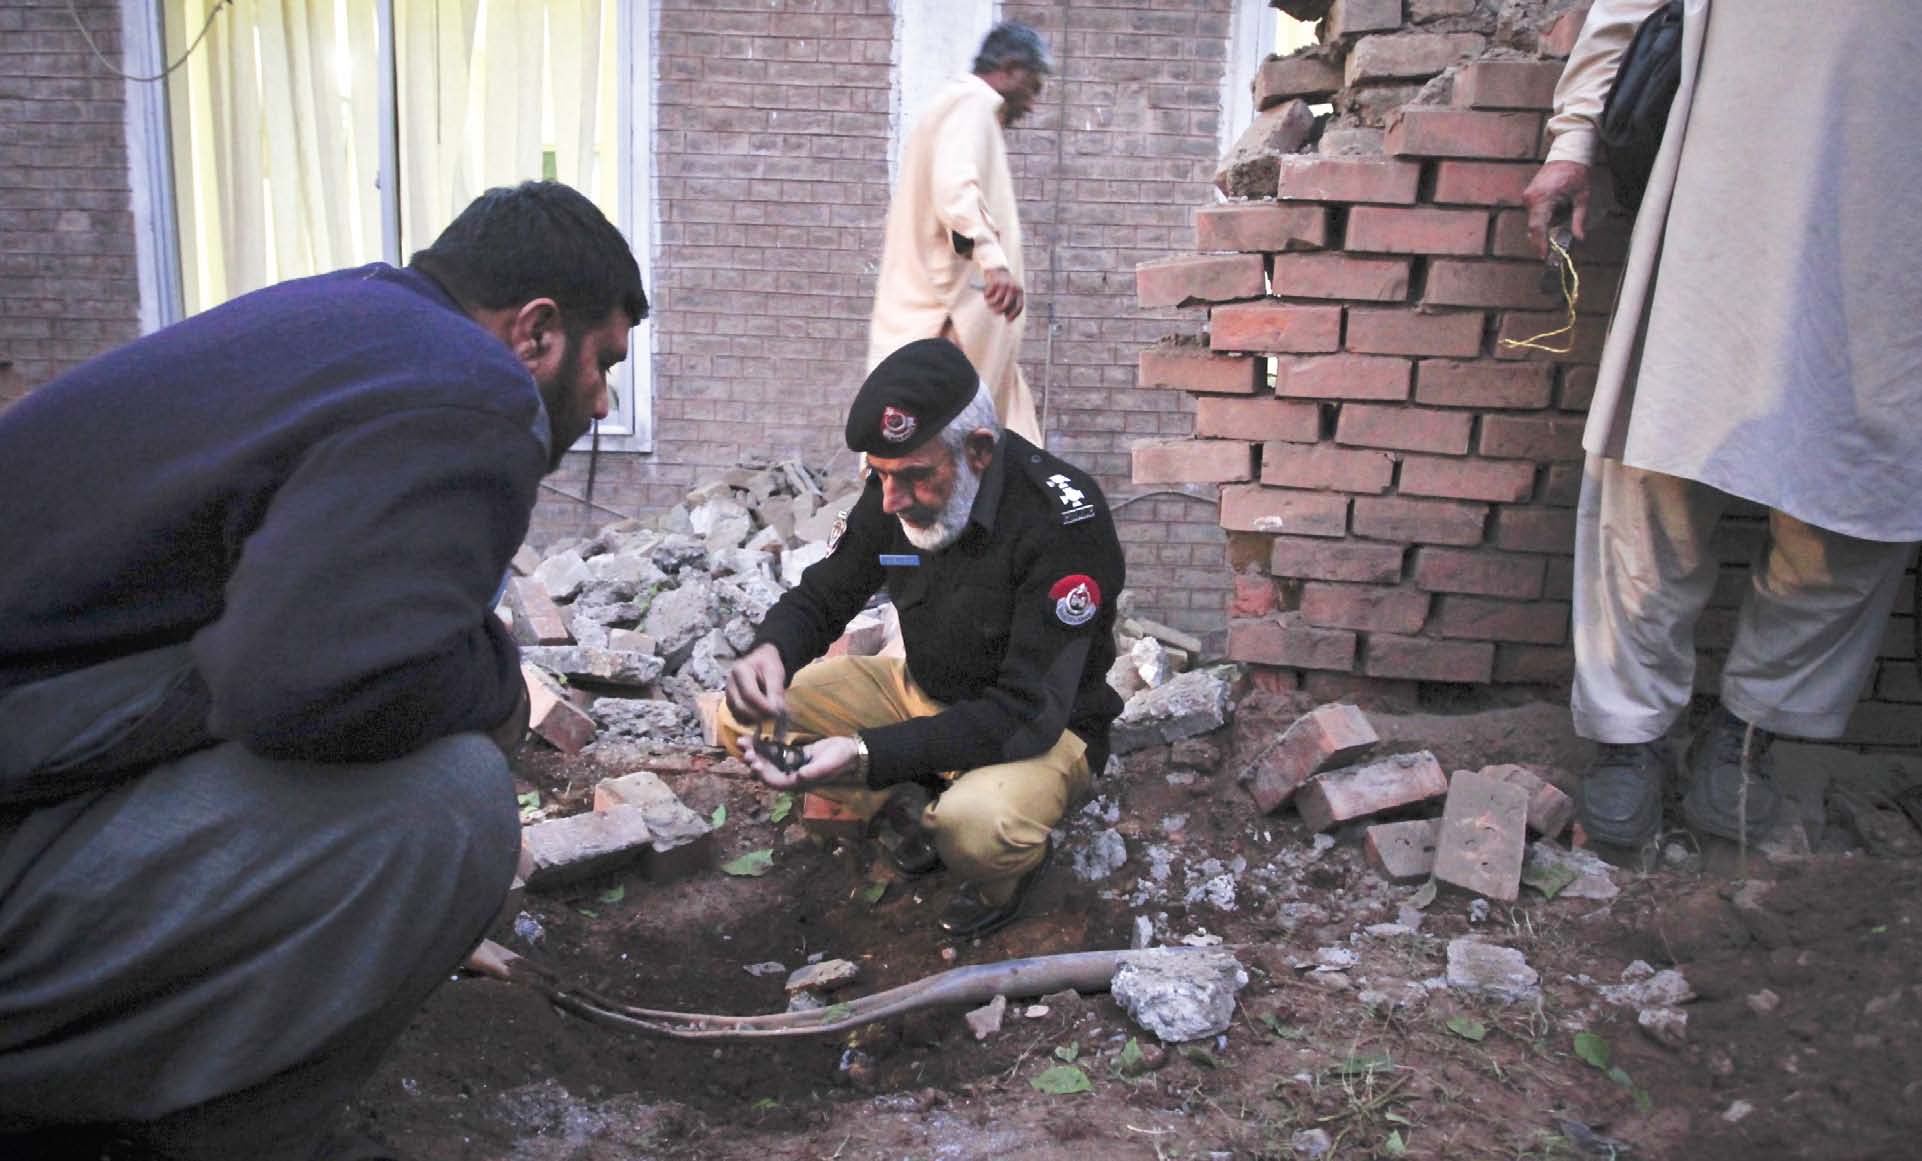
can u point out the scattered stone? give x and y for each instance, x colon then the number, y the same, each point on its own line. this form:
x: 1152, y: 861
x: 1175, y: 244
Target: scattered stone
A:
x: 1173, y: 638
x: 985, y: 1021
x: 633, y: 670
x: 528, y: 929
x: 1549, y: 810
x: 1328, y: 737
x: 642, y: 717
x: 537, y: 619
x: 1150, y: 658
x: 1737, y: 1111
x: 1478, y: 910
x: 805, y: 1002
x: 1488, y: 969
x: 1312, y: 1143
x: 1664, y: 989
x: 1179, y: 995
x: 1763, y: 1002
x: 1106, y: 853
x: 1193, y: 703
x: 581, y: 846
x: 1484, y: 830
x: 1194, y: 754
x: 825, y: 976
x: 551, y: 716
x: 1403, y: 851
x: 563, y: 574
x: 1359, y: 791
x: 682, y: 842
x: 1666, y: 1026
x: 1036, y: 1011
x: 765, y: 968
x: 1585, y: 874
x: 679, y: 618
x: 798, y: 561
x: 1252, y: 167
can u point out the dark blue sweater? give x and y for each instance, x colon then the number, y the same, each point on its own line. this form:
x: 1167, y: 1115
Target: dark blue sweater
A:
x: 318, y: 485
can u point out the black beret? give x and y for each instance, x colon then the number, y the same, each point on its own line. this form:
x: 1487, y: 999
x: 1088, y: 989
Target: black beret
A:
x: 909, y: 397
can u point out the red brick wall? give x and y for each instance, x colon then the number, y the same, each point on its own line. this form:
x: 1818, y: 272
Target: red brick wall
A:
x: 68, y: 287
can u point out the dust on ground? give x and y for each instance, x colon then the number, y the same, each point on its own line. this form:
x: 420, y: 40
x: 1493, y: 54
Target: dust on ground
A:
x: 1804, y: 1039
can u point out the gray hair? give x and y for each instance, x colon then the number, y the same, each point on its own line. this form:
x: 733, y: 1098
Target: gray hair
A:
x: 1012, y: 44
x: 979, y: 413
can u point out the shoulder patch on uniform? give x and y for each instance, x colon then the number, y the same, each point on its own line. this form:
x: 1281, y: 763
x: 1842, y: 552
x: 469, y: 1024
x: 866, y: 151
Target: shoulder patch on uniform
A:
x: 1073, y: 501
x: 1077, y: 598
x: 839, y: 530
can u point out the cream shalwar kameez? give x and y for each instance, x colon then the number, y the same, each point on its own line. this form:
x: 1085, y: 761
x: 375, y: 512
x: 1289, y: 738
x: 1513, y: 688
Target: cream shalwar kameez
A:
x: 955, y: 180
x: 1765, y: 346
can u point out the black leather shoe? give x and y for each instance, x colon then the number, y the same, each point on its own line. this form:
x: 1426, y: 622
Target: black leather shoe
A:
x: 914, y: 855
x: 968, y: 916
x: 1717, y: 802
x: 1619, y: 801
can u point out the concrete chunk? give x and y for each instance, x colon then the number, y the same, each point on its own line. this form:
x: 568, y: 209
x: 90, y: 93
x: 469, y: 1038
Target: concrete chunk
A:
x: 1329, y: 737
x: 612, y: 666
x: 1404, y: 851
x: 1359, y: 791
x: 1188, y: 705
x: 825, y: 976
x: 1488, y: 969
x: 985, y: 1021
x: 1549, y: 810
x: 567, y: 850
x: 551, y: 716
x: 681, y: 841
x: 563, y: 574
x: 1484, y: 833
x: 525, y: 561
x: 537, y: 619
x: 1179, y: 993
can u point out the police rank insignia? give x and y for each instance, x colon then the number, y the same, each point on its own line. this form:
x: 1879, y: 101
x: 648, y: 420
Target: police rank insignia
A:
x: 1077, y: 598
x: 839, y: 530
x: 1074, y: 503
x: 897, y: 426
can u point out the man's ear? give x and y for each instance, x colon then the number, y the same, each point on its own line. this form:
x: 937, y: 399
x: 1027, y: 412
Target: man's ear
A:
x: 534, y: 333
x: 979, y: 447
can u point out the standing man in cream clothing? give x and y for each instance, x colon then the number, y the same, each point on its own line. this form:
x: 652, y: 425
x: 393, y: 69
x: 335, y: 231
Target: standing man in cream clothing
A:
x: 951, y: 259
x: 1764, y: 346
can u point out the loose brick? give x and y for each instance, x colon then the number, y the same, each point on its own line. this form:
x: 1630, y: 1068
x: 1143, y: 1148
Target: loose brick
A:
x: 1340, y: 276
x: 1508, y: 84
x: 1582, y: 346
x: 1549, y: 810
x: 1403, y: 428
x: 567, y: 850
x: 1327, y: 468
x: 1251, y: 508
x: 1359, y: 791
x: 1199, y: 278
x: 1481, y: 183
x: 551, y: 717
x: 707, y: 707
x: 537, y: 619
x: 1517, y: 285
x: 1560, y: 37
x: 1421, y: 521
x: 1417, y: 230
x: 1403, y: 851
x: 1253, y: 596
x: 1481, y: 572
x: 1484, y: 834
x: 1285, y: 640
x: 1261, y: 419
x: 1274, y: 326
x: 1466, y: 479
x: 1410, y: 56
x: 1482, y: 619
x: 829, y: 819
x: 1402, y: 331
x: 1283, y: 78
x: 1348, y: 17
x: 1434, y: 131
x: 1343, y: 377
x: 1371, y: 608
x: 1316, y: 178
x: 1261, y: 226
x: 1184, y: 367
x: 1194, y: 461
x: 680, y: 841
x: 1534, y: 665
x: 1323, y: 739
x: 1488, y: 385
x: 1428, y: 659
x: 1535, y: 530
x: 1529, y: 437
x: 1341, y: 560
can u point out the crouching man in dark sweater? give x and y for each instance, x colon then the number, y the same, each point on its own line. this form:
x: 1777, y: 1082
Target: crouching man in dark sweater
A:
x: 255, y: 709
x: 1003, y: 564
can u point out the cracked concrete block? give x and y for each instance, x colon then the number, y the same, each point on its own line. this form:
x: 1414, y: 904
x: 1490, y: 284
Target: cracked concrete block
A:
x: 630, y: 641
x: 581, y: 846
x: 563, y: 574
x: 1488, y: 969
x: 1549, y: 810
x: 1328, y: 737
x: 799, y: 560
x: 655, y: 719
x: 1179, y: 993
x: 1404, y: 851
x: 614, y: 667
x: 985, y: 1021
x: 1359, y: 791
x: 825, y: 976
x: 1483, y: 836
x: 679, y: 618
x: 537, y: 619
x: 551, y: 716
x: 1188, y: 705
x: 1152, y: 662
x: 625, y: 575
x: 681, y: 842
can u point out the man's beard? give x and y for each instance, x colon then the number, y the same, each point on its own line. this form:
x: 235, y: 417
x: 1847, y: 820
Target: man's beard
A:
x: 566, y: 421
x: 953, y: 520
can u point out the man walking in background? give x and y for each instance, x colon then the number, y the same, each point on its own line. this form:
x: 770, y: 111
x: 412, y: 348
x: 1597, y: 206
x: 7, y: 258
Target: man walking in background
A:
x: 951, y: 259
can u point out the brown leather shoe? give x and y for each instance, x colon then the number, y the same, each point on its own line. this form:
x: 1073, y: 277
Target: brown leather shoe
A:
x: 968, y: 916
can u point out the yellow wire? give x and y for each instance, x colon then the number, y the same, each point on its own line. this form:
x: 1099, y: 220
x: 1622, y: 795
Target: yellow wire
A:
x: 1571, y: 293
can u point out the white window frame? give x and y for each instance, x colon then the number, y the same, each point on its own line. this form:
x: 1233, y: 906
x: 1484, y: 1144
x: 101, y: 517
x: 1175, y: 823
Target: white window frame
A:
x: 157, y: 230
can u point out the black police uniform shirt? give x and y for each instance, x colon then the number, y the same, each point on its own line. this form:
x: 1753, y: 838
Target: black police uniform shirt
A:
x: 1011, y: 627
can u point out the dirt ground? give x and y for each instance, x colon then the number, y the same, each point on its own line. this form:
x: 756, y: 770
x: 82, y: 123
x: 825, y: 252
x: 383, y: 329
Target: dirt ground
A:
x: 1804, y: 1039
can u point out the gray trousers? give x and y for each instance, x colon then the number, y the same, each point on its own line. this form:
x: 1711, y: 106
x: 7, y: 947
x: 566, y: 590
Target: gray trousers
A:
x: 212, y: 954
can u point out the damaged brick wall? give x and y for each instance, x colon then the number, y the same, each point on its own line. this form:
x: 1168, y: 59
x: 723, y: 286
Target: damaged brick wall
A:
x: 68, y: 287
x: 1397, y: 481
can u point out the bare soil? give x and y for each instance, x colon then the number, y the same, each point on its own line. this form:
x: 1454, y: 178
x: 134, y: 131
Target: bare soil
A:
x: 1805, y: 1040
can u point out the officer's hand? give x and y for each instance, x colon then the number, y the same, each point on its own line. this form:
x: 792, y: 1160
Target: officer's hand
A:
x: 757, y: 685
x: 1003, y: 294
x: 1558, y: 185
x: 828, y: 759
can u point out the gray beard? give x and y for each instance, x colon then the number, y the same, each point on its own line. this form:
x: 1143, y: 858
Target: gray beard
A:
x: 954, y: 515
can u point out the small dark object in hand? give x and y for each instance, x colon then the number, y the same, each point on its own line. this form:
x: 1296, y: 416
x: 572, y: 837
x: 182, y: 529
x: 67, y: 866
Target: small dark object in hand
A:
x: 787, y: 758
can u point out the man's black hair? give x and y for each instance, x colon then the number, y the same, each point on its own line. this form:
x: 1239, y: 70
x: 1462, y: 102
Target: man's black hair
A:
x: 1012, y: 44
x: 539, y: 239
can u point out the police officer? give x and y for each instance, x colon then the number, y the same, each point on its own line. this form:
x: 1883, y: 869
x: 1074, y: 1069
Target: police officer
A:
x: 1003, y: 564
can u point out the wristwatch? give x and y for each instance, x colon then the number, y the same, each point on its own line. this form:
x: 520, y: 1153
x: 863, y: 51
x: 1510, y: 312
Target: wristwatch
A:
x: 860, y: 758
